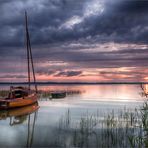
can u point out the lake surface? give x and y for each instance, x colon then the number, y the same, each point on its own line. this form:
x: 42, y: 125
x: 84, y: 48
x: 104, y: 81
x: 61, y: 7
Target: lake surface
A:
x: 39, y: 128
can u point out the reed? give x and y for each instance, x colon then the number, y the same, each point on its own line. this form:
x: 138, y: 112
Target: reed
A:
x: 127, y: 128
x: 4, y: 93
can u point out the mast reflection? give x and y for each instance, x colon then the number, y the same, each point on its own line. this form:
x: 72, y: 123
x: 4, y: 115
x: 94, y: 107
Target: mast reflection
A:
x: 19, y: 116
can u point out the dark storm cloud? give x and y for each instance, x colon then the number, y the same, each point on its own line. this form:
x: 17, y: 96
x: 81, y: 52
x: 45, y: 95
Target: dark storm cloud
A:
x: 134, y: 6
x: 66, y: 29
x: 68, y: 73
x: 45, y: 16
x: 116, y: 55
x: 120, y: 21
x: 13, y: 76
x: 45, y: 72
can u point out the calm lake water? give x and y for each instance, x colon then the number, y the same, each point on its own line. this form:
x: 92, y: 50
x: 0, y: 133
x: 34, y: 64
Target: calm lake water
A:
x: 39, y: 127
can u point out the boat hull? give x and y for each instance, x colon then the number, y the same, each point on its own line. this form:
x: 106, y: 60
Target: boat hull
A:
x: 56, y: 95
x: 14, y: 112
x: 18, y: 102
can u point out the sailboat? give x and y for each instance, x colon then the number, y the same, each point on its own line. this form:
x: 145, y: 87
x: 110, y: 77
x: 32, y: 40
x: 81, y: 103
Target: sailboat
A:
x: 22, y: 96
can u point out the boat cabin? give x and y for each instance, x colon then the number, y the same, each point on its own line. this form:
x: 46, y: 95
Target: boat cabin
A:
x: 18, y: 92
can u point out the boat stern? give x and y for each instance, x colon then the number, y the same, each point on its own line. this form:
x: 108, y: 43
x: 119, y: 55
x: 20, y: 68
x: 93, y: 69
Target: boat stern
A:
x: 4, y: 104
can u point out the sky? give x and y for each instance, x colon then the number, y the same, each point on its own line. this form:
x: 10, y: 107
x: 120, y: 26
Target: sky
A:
x: 75, y: 40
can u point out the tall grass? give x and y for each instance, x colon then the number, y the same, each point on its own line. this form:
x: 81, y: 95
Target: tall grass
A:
x: 127, y: 128
x: 4, y: 93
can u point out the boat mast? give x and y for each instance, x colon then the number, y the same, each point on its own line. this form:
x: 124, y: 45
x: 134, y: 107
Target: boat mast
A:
x: 26, y: 29
x: 29, y: 55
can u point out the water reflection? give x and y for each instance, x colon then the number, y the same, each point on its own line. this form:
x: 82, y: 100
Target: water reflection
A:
x: 98, y: 100
x: 18, y: 113
x: 114, y: 93
x: 17, y: 117
x: 94, y: 92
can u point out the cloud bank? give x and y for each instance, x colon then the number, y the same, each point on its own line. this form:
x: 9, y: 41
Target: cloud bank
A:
x: 76, y: 39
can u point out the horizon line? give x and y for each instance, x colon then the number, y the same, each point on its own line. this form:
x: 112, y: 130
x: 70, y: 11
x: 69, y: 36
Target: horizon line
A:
x: 52, y: 82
